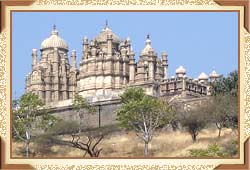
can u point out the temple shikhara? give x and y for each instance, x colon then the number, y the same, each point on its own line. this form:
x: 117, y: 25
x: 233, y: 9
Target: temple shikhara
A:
x: 107, y: 66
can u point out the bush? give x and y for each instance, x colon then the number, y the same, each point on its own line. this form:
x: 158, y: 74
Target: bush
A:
x: 108, y: 150
x: 43, y: 144
x: 64, y: 127
x: 137, y: 151
x: 232, y: 148
x: 215, y: 150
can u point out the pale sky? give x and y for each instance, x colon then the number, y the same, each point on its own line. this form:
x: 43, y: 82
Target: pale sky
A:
x: 200, y: 41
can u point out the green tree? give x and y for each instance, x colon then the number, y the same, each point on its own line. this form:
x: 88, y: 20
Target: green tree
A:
x: 194, y: 119
x: 226, y: 85
x: 81, y: 106
x: 143, y: 114
x: 224, y: 101
x: 223, y: 111
x: 29, y: 115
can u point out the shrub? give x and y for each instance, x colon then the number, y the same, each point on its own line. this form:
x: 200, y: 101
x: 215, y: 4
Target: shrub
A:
x: 232, y: 148
x: 43, y: 144
x: 64, y: 127
x: 137, y: 151
x: 213, y: 150
x: 108, y: 150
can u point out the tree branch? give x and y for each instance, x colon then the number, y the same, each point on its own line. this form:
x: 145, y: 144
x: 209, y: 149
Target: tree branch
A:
x: 98, y: 141
x: 18, y: 135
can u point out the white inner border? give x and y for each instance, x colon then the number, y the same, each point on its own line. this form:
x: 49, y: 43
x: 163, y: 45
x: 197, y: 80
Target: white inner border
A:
x: 159, y: 162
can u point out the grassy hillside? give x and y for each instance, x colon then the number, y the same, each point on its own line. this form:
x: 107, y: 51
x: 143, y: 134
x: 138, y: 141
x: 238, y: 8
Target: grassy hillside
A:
x: 120, y: 143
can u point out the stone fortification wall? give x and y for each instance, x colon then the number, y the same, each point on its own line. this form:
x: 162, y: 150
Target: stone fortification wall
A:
x: 104, y: 115
x: 105, y: 111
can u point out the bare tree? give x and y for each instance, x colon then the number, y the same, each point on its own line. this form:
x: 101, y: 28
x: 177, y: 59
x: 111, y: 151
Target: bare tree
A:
x: 89, y: 147
x: 87, y: 143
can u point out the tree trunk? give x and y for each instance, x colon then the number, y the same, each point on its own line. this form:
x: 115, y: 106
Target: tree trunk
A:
x: 219, y: 128
x: 193, y: 137
x: 80, y: 122
x: 219, y: 132
x: 27, y: 142
x: 146, y: 149
x: 80, y: 126
x: 27, y: 148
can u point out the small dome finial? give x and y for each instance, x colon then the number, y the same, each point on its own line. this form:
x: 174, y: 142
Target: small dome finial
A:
x: 73, y: 53
x: 106, y: 24
x: 128, y: 39
x: 54, y: 31
x: 54, y: 27
x: 148, y: 41
x: 85, y: 38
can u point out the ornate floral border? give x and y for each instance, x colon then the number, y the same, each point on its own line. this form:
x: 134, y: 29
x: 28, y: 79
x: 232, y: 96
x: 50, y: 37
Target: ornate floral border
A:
x: 125, y: 2
x: 247, y: 86
x: 127, y: 167
x: 3, y: 79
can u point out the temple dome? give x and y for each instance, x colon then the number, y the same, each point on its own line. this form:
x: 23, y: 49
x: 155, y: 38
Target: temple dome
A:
x: 102, y: 37
x: 164, y: 53
x: 180, y: 70
x: 203, y: 76
x: 214, y: 74
x: 54, y: 41
x: 195, y: 80
x: 148, y: 47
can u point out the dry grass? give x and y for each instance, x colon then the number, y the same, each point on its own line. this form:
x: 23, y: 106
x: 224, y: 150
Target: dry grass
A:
x: 127, y: 144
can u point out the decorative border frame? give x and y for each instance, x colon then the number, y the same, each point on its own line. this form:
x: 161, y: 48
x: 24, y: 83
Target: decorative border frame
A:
x: 3, y: 78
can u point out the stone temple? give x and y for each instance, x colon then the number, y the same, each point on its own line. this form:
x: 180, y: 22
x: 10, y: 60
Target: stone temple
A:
x: 107, y: 67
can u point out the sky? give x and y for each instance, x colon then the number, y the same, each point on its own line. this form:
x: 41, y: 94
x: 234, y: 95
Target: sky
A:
x: 200, y: 41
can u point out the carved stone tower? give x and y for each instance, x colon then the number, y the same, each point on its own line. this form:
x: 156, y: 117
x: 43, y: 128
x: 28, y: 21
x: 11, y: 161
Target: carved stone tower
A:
x: 52, y: 78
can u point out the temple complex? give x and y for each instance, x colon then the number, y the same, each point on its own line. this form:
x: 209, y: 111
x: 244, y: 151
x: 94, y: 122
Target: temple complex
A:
x: 107, y: 66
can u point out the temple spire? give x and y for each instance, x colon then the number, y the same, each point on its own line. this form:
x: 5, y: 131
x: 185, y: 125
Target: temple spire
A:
x: 54, y: 27
x: 148, y: 41
x: 54, y: 31
x: 106, y: 24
